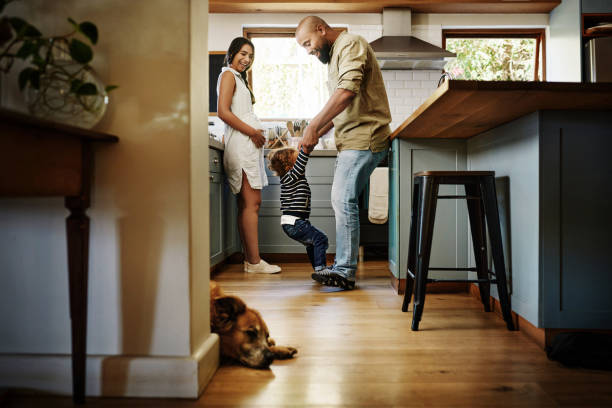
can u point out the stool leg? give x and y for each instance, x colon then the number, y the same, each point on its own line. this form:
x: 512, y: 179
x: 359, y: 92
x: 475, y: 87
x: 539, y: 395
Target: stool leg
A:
x: 497, y: 251
x: 428, y: 201
x: 412, y: 248
x: 479, y: 234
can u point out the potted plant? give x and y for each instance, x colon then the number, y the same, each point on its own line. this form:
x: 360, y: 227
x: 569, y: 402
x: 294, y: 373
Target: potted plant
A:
x: 58, y: 82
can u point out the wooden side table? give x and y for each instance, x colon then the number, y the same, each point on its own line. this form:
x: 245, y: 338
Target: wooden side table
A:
x: 40, y: 158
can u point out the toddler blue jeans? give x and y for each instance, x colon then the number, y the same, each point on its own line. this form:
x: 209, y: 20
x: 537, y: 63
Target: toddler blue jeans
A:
x: 314, y: 240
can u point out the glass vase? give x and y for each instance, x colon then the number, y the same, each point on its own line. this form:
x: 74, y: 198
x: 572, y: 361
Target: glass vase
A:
x: 54, y: 101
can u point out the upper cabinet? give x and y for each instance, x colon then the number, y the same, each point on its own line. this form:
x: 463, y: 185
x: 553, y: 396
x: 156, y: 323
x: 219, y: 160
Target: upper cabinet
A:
x: 376, y: 6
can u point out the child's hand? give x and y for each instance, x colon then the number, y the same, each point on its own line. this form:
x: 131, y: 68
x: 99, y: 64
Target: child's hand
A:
x: 304, y: 148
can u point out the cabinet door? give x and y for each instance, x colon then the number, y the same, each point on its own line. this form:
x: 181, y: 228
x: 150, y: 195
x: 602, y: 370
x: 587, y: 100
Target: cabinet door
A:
x: 216, y: 219
x: 449, y: 248
x: 394, y: 207
x: 576, y: 220
x: 229, y: 214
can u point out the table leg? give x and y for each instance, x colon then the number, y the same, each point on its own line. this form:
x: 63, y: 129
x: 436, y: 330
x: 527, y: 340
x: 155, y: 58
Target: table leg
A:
x: 77, y: 231
x: 77, y: 228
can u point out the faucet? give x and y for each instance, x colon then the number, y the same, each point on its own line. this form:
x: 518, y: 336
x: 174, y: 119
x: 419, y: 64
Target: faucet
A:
x: 444, y: 77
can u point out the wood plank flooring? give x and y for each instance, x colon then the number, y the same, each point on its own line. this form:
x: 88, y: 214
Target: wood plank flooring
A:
x: 356, y: 349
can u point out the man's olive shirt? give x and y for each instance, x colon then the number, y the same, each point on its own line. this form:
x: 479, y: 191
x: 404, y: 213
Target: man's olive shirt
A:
x: 364, y: 124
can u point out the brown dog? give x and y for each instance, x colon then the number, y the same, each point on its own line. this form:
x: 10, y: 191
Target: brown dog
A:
x: 243, y: 333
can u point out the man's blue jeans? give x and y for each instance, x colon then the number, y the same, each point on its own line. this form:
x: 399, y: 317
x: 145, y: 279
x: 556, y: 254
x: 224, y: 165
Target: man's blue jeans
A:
x: 315, y: 241
x: 352, y: 172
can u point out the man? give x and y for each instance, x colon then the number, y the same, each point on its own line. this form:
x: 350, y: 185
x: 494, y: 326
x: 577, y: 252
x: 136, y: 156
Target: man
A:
x: 358, y: 109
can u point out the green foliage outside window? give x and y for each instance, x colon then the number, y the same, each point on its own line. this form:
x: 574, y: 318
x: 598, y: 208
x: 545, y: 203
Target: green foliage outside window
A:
x: 492, y: 59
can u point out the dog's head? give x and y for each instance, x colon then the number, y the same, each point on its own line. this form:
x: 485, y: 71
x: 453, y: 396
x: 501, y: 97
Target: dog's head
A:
x: 244, y: 335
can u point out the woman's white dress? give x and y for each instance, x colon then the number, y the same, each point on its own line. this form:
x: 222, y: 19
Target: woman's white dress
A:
x: 240, y: 152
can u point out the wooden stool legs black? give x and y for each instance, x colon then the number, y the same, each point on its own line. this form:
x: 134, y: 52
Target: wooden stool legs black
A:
x: 482, y: 207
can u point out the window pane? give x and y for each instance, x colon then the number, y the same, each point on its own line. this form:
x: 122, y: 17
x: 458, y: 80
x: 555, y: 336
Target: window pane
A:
x: 287, y: 82
x: 492, y: 59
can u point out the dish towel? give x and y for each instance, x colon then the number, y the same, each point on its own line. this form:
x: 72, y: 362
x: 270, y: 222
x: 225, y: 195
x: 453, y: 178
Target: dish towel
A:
x: 378, y: 208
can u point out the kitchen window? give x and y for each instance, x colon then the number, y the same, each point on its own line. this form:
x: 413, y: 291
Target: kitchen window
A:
x: 287, y: 82
x: 496, y: 55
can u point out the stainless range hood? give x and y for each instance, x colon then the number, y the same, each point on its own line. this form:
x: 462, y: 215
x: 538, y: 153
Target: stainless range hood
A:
x: 398, y: 49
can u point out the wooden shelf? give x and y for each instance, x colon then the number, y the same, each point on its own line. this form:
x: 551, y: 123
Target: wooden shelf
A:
x: 376, y: 6
x: 591, y: 21
x: 462, y: 109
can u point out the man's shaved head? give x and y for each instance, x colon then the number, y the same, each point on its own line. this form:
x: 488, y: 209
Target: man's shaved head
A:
x: 310, y: 23
x: 316, y: 37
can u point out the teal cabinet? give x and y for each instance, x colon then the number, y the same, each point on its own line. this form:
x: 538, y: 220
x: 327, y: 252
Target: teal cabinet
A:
x: 216, y: 194
x: 557, y: 230
x: 224, y: 237
x: 449, y: 248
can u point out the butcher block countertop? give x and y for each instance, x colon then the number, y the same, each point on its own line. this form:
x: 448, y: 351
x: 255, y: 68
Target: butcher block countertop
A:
x: 462, y: 109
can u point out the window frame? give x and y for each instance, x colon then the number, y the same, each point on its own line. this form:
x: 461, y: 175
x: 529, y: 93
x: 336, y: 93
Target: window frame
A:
x: 273, y: 32
x: 539, y: 34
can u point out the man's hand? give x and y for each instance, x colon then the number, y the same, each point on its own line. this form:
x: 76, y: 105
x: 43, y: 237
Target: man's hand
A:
x: 309, y: 140
x: 258, y: 138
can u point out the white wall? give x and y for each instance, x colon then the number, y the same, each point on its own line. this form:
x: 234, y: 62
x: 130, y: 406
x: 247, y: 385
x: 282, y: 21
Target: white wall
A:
x: 139, y: 243
x: 563, y: 57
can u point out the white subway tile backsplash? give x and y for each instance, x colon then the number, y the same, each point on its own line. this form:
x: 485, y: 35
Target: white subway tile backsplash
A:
x: 394, y: 84
x: 403, y: 92
x: 435, y: 75
x: 404, y: 75
x: 412, y: 101
x: 422, y: 92
x: 389, y: 75
x: 412, y: 84
x: 407, y: 90
x: 420, y: 75
x: 429, y: 84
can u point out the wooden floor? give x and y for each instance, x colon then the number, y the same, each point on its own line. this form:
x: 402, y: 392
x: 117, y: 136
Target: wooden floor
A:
x: 356, y: 349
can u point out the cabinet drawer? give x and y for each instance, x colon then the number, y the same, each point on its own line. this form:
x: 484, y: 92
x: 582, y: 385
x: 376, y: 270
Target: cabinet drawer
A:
x: 215, y: 161
x: 216, y: 178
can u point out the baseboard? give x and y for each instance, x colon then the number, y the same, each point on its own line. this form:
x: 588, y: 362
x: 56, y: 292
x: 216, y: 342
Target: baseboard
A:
x: 535, y: 334
x: 115, y: 376
x: 399, y: 286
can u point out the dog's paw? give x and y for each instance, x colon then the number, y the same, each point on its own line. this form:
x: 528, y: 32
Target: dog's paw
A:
x: 283, y: 352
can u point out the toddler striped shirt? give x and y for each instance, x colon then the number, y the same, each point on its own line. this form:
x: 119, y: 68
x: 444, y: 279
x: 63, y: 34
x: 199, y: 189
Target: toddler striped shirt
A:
x: 295, y: 191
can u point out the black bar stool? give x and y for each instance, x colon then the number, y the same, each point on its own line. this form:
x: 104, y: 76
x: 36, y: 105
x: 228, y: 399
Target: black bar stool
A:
x: 482, y: 204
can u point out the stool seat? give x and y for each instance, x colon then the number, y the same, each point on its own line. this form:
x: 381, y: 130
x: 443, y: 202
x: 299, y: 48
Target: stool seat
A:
x: 481, y: 200
x: 455, y: 173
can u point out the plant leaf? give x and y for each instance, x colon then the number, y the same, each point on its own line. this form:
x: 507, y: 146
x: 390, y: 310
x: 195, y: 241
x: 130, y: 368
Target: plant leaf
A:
x: 90, y: 31
x: 110, y: 88
x: 87, y: 88
x: 35, y: 79
x: 75, y: 85
x: 74, y: 23
x: 80, y: 52
x: 24, y: 77
x: 38, y: 61
x: 17, y: 23
x: 27, y: 48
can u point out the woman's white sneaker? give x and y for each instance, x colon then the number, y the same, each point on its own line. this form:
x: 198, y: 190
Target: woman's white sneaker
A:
x: 261, y: 267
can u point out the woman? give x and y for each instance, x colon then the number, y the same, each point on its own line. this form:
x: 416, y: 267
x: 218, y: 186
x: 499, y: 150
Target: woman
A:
x: 244, y: 139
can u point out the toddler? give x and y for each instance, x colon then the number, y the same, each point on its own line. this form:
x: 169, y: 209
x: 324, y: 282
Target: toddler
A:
x: 290, y: 166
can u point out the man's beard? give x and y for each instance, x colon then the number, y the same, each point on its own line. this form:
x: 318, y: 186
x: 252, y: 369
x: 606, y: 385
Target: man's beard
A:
x: 324, y: 56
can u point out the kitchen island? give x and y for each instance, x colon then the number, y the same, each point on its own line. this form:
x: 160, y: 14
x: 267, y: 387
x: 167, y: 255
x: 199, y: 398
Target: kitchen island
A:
x: 549, y: 145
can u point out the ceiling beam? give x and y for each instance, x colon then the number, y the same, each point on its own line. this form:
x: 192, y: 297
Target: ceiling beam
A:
x: 376, y: 6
